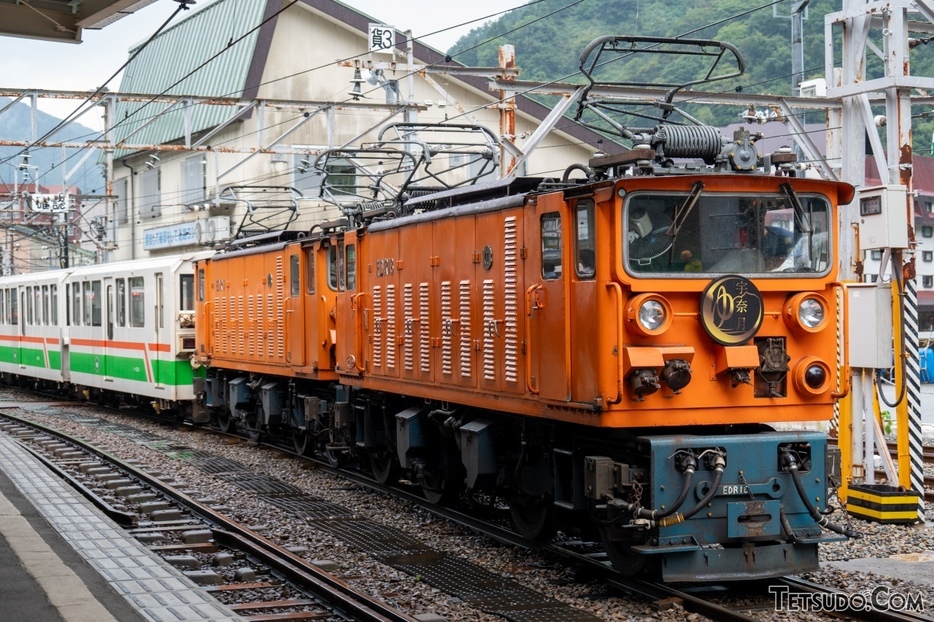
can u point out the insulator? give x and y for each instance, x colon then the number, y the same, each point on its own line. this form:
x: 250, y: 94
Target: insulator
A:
x: 689, y: 141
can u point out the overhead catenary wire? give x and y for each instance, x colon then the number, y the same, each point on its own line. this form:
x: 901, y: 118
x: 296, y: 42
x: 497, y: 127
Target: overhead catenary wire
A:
x: 229, y: 45
x: 182, y: 6
x: 523, y: 25
x: 448, y: 58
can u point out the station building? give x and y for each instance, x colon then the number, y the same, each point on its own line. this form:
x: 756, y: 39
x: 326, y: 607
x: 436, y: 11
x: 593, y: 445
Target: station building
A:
x: 273, y: 89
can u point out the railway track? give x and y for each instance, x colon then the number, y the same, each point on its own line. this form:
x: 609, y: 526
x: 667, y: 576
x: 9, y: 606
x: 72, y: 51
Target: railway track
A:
x: 847, y: 606
x: 927, y: 457
x: 927, y: 452
x: 582, y: 554
x: 192, y: 535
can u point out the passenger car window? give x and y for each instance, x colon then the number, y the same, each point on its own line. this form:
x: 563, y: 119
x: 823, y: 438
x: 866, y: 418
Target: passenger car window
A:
x: 96, y: 303
x: 121, y: 302
x: 137, y: 302
x: 86, y: 303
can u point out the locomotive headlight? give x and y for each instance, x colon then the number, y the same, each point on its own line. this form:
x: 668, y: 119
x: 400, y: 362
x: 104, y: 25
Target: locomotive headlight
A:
x: 811, y: 312
x: 652, y: 315
x: 806, y: 312
x: 811, y: 376
x: 649, y: 314
x: 815, y: 376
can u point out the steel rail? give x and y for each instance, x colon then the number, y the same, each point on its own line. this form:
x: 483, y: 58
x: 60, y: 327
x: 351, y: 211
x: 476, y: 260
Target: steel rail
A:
x: 358, y: 605
x: 659, y: 594
x: 868, y: 613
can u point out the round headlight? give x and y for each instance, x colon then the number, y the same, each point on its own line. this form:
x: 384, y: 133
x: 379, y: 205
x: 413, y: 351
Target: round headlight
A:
x: 652, y: 315
x: 811, y: 312
x: 806, y: 312
x: 649, y: 315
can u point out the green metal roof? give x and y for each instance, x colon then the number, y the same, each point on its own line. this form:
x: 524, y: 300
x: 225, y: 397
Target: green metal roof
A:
x: 215, y: 45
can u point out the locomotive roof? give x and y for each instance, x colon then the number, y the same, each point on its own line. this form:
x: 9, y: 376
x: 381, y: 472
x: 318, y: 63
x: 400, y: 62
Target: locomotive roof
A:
x: 477, y: 207
x: 477, y: 192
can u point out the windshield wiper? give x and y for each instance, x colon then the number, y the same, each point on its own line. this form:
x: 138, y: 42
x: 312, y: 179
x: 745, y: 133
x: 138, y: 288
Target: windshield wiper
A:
x: 801, y: 222
x: 681, y: 215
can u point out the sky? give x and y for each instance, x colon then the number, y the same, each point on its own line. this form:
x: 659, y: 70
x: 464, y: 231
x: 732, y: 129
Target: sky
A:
x: 32, y: 64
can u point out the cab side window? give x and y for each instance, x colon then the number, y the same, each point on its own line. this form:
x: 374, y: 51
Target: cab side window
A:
x: 351, y: 263
x: 201, y: 285
x: 336, y: 267
x: 551, y: 245
x: 295, y: 286
x: 310, y: 270
x: 584, y: 240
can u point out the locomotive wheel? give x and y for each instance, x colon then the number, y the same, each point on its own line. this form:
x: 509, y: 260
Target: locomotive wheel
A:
x: 252, y: 424
x: 624, y: 560
x: 435, y: 488
x: 438, y: 482
x: 384, y: 466
x: 533, y: 517
x: 337, y: 450
x: 336, y: 457
x: 223, y: 420
x: 301, y: 440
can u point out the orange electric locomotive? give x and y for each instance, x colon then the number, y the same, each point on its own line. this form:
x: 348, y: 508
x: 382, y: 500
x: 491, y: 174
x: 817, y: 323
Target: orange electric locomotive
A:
x: 615, y: 352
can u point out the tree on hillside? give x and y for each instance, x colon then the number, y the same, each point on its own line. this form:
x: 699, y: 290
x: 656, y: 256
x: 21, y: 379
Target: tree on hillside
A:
x: 550, y: 35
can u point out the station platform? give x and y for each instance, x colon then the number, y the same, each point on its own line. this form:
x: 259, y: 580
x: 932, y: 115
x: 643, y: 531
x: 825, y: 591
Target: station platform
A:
x: 61, y: 560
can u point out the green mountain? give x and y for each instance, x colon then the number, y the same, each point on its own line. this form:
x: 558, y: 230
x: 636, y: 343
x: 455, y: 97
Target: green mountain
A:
x: 549, y: 36
x: 46, y: 163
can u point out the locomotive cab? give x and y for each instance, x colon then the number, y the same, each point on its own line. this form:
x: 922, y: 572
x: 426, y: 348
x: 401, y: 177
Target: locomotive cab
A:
x: 734, y: 285
x: 716, y: 307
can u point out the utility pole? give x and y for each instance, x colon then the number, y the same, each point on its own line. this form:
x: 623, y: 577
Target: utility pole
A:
x: 798, y: 12
x: 880, y: 218
x: 63, y: 259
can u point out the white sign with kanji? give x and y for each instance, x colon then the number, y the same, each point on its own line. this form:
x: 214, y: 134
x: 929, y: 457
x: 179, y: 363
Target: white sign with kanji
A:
x: 382, y: 38
x: 49, y: 203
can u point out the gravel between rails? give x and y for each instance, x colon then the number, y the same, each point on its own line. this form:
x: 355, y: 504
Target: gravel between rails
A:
x: 542, y: 574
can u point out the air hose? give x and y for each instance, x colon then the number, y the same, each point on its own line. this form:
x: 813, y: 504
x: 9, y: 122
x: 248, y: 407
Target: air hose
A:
x: 790, y: 462
x: 690, y: 467
x: 719, y: 465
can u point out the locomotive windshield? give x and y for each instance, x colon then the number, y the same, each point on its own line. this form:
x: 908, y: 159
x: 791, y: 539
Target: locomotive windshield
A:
x: 703, y: 233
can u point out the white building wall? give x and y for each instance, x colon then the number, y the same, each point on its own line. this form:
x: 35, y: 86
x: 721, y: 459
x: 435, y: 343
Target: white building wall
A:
x: 302, y: 67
